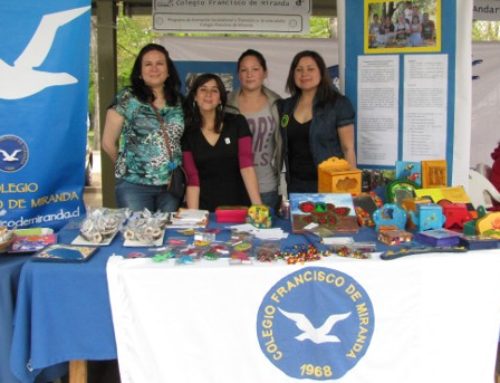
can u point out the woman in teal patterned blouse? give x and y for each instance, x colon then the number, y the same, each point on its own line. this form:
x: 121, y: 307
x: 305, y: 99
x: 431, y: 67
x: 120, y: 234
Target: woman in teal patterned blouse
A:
x: 143, y: 119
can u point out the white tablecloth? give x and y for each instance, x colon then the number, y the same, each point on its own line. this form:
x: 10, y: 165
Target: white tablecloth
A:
x: 436, y: 318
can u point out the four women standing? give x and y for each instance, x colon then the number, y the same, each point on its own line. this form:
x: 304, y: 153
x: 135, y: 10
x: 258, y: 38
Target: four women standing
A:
x: 229, y: 158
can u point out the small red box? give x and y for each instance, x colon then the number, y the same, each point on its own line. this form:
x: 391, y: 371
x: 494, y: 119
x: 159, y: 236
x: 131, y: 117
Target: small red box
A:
x: 231, y: 214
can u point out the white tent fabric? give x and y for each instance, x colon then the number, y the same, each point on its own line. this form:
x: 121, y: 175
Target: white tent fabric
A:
x: 485, y: 102
x: 279, y: 53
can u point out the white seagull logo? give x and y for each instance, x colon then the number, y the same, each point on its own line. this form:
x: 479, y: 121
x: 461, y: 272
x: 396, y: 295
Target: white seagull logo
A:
x: 10, y: 157
x: 316, y: 335
x: 21, y: 80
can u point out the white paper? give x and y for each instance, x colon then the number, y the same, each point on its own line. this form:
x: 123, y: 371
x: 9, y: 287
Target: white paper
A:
x: 377, y: 109
x: 425, y: 103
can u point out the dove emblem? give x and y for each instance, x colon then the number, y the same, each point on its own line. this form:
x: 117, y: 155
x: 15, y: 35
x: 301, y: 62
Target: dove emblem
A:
x: 21, y: 80
x: 10, y: 157
x: 316, y: 335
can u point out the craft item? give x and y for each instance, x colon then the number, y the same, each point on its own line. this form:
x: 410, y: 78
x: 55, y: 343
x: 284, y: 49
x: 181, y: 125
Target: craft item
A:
x: 434, y: 174
x: 489, y: 225
x: 334, y: 211
x: 399, y: 190
x: 479, y: 242
x: 456, y: 215
x: 185, y: 260
x: 300, y: 253
x: 31, y: 243
x: 189, y: 231
x: 100, y: 226
x: 405, y: 251
x: 243, y: 246
x: 188, y: 218
x: 211, y: 255
x: 65, y: 253
x: 349, y: 252
x: 364, y: 206
x: 410, y: 171
x: 240, y: 258
x: 389, y: 215
x: 267, y: 253
x: 453, y: 194
x: 470, y: 226
x: 135, y: 255
x: 428, y: 216
x: 438, y: 237
x: 6, y: 238
x: 394, y: 237
x: 204, y: 236
x: 231, y: 214
x: 336, y: 176
x: 259, y: 216
x: 143, y: 229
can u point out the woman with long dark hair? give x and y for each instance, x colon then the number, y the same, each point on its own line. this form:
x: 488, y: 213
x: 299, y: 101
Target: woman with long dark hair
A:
x: 142, y: 134
x: 217, y: 149
x: 316, y: 122
x: 258, y: 104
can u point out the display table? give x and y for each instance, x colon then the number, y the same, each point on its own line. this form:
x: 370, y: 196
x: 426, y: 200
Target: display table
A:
x: 10, y: 267
x: 435, y: 318
x: 63, y: 313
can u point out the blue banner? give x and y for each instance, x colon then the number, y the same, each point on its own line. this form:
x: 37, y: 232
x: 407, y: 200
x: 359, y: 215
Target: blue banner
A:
x: 44, y: 69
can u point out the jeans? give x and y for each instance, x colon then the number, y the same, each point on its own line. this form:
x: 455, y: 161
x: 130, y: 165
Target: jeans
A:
x: 139, y: 197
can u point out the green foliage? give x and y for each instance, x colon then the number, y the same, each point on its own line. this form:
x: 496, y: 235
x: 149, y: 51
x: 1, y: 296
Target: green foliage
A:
x: 132, y: 34
x: 486, y: 31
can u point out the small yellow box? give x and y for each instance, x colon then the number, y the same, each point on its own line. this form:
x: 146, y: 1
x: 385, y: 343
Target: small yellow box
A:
x: 348, y: 181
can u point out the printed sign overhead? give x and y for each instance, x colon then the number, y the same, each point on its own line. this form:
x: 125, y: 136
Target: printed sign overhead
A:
x: 488, y: 10
x: 248, y: 16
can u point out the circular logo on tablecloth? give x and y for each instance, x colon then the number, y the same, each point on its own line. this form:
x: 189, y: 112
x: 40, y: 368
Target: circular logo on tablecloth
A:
x: 13, y: 153
x: 316, y: 323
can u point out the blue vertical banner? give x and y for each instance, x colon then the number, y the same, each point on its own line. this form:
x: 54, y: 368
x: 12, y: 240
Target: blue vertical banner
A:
x: 44, y: 69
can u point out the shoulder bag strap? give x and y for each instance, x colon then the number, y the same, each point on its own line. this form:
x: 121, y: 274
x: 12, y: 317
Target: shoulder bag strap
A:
x: 164, y: 132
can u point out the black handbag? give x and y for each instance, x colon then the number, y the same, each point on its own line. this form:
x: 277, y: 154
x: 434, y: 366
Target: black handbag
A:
x: 177, y: 185
x: 178, y: 179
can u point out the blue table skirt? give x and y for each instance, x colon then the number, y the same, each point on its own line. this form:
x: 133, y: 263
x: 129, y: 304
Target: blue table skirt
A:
x: 63, y: 311
x: 10, y: 268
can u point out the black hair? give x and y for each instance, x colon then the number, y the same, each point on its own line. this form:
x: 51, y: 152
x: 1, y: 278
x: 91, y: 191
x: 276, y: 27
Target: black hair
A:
x: 326, y: 92
x: 171, y: 87
x: 192, y: 116
x: 252, y: 52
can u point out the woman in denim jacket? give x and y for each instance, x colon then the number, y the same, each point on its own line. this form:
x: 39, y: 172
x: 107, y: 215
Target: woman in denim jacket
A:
x: 316, y: 122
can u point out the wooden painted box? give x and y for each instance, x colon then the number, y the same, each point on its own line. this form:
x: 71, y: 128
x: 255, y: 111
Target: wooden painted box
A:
x: 335, y: 175
x: 348, y: 181
x: 428, y: 217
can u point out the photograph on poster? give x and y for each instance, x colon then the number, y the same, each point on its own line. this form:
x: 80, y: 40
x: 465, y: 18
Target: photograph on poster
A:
x: 402, y: 26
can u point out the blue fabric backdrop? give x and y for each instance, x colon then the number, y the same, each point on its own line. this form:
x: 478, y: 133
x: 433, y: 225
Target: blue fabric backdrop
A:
x: 44, y: 57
